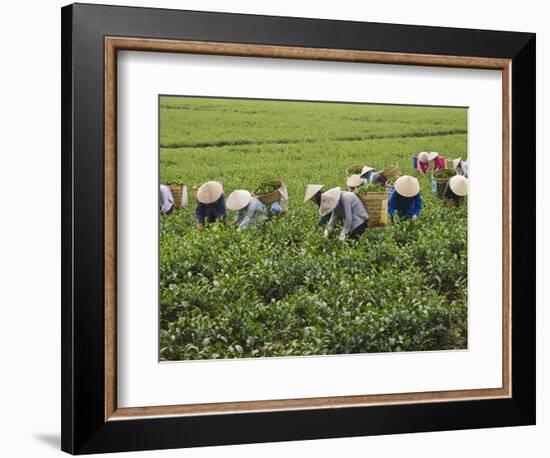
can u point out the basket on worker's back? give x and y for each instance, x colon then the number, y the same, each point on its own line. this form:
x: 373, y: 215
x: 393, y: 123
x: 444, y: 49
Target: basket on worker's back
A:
x: 354, y: 169
x: 270, y: 197
x: 392, y: 170
x: 179, y: 193
x: 376, y: 204
x: 440, y: 178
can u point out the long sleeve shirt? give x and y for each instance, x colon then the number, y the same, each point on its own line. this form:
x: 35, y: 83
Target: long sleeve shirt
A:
x: 405, y: 206
x: 210, y: 212
x: 351, y: 210
x: 254, y: 212
x: 166, y: 199
x: 422, y: 167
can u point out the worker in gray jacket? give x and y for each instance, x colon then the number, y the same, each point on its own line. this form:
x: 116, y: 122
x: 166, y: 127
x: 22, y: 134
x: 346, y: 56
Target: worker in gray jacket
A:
x: 346, y: 207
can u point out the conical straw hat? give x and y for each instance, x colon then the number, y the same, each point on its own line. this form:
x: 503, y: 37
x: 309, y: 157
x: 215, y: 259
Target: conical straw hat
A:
x: 407, y: 186
x: 238, y: 200
x: 456, y: 162
x: 366, y: 169
x: 423, y: 157
x: 209, y: 192
x: 432, y: 155
x: 354, y: 181
x: 329, y: 200
x: 311, y: 190
x: 459, y: 185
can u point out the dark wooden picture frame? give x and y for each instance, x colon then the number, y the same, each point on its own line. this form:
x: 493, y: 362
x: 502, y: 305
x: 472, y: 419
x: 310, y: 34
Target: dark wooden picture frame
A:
x: 91, y: 37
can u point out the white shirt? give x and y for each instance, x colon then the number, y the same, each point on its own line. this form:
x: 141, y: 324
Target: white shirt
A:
x: 166, y: 199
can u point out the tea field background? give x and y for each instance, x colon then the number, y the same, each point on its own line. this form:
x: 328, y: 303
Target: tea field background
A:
x: 282, y: 289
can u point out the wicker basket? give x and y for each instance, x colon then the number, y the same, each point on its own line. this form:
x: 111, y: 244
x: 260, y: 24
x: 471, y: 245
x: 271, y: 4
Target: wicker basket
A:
x: 353, y: 166
x: 392, y: 171
x: 180, y: 197
x: 271, y: 197
x: 438, y: 184
x: 376, y: 204
x: 194, y: 189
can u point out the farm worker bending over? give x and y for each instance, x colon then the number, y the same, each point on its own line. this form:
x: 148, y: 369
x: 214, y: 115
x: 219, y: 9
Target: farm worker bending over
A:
x: 210, y: 203
x: 423, y: 163
x: 249, y: 209
x: 456, y: 189
x: 405, y: 199
x: 439, y: 161
x: 381, y: 178
x: 166, y: 200
x: 353, y: 182
x: 344, y: 206
x: 367, y: 173
x: 313, y: 193
x: 424, y: 159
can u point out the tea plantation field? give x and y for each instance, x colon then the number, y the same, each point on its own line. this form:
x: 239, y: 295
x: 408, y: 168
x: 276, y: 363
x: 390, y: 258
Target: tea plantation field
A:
x: 283, y: 289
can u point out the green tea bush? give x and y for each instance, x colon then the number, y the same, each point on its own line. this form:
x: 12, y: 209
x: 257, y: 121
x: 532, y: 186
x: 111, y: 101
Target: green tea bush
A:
x: 280, y: 288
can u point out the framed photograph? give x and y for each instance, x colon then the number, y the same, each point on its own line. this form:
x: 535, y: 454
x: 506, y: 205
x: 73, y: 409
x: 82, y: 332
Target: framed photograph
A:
x: 282, y: 228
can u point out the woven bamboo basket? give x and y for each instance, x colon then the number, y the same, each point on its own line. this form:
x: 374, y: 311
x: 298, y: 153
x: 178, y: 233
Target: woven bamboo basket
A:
x: 438, y: 184
x: 353, y: 166
x: 195, y: 188
x: 376, y: 204
x: 179, y: 195
x: 271, y: 197
x: 391, y: 171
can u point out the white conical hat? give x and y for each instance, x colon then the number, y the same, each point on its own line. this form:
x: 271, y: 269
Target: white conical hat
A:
x: 354, y: 181
x: 366, y: 169
x: 209, y: 192
x: 456, y: 162
x: 238, y: 199
x: 423, y: 156
x: 459, y: 185
x: 329, y: 200
x: 311, y: 190
x: 432, y: 155
x: 407, y: 186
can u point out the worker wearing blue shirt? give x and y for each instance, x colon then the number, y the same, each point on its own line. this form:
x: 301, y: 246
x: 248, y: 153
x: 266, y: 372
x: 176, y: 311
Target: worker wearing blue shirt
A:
x: 210, y: 204
x: 366, y: 173
x: 405, y: 199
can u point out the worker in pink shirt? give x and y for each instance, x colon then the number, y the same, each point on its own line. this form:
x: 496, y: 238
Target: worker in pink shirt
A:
x: 423, y: 162
x: 439, y: 161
